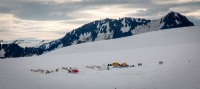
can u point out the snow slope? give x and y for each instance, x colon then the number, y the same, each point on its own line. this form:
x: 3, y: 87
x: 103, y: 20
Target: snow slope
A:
x: 178, y: 48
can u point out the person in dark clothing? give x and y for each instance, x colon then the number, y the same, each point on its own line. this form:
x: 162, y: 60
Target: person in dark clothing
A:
x: 70, y: 70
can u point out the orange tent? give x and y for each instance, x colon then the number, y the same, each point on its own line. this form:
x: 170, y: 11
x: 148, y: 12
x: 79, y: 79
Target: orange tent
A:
x: 124, y: 64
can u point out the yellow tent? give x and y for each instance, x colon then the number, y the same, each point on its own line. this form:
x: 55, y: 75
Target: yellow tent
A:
x: 115, y: 64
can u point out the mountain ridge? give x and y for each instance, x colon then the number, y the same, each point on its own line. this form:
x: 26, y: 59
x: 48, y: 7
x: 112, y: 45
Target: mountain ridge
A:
x: 103, y: 30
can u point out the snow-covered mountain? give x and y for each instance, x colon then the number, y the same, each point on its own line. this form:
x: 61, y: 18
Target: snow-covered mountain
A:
x: 103, y: 30
x: 20, y: 48
x: 117, y: 28
x: 178, y: 48
x: 26, y: 43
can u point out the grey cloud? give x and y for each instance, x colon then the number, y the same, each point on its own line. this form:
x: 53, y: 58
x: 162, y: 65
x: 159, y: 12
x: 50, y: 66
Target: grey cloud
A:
x: 5, y: 9
x: 2, y: 30
x: 154, y: 9
x: 77, y: 21
x: 43, y: 10
x: 35, y: 10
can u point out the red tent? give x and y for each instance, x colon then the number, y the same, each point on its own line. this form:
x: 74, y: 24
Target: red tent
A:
x: 75, y: 70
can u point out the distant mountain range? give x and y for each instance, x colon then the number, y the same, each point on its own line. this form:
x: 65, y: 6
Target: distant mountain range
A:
x: 97, y: 30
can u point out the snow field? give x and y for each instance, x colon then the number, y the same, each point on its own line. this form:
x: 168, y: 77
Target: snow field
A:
x: 177, y: 48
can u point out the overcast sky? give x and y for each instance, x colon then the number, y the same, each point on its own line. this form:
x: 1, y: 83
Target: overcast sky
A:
x: 52, y: 19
